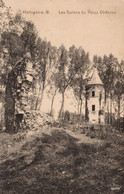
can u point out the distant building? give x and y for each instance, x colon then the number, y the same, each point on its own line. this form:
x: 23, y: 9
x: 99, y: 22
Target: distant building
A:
x: 95, y: 99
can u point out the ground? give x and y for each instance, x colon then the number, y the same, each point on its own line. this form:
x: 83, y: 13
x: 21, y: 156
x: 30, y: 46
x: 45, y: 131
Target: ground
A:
x: 61, y: 160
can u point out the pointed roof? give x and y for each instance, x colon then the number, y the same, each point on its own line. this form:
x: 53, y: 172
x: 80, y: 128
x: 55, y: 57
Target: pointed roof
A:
x: 95, y: 79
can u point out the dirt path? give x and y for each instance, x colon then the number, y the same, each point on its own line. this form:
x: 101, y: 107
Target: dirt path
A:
x: 83, y: 138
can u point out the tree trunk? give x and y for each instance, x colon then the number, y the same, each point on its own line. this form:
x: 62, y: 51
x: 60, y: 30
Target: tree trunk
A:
x: 51, y: 109
x: 118, y: 112
x: 86, y: 108
x: 80, y: 109
x: 40, y: 99
x: 62, y: 105
x: 108, y: 109
x: 37, y: 100
x: 99, y: 113
x: 105, y: 96
x: 111, y: 108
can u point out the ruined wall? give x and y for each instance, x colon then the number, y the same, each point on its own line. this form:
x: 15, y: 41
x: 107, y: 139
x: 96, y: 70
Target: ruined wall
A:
x: 17, y: 94
x: 2, y: 110
x: 9, y: 106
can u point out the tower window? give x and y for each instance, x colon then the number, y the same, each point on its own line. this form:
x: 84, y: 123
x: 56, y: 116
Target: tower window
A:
x: 93, y: 93
x: 93, y: 107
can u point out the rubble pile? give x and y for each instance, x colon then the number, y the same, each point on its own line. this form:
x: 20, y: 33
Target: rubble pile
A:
x: 35, y: 119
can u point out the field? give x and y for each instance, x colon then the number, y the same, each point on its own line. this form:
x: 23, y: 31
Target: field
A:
x: 61, y: 160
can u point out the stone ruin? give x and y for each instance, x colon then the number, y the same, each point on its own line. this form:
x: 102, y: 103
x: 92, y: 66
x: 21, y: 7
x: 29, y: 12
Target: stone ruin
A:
x: 19, y: 113
x: 17, y: 94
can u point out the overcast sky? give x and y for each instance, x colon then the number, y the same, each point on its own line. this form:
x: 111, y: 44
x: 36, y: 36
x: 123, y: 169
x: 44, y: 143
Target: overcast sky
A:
x: 97, y: 33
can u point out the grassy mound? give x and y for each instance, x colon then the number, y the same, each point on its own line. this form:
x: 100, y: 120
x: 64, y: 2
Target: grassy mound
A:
x: 52, y: 160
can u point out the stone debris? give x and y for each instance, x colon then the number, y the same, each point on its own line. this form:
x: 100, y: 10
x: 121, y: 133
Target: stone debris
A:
x: 35, y: 119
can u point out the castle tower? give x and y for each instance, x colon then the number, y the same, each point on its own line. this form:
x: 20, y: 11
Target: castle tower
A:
x: 95, y: 99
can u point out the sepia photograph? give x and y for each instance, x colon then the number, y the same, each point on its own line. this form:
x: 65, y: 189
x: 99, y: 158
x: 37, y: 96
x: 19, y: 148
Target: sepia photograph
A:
x: 61, y: 97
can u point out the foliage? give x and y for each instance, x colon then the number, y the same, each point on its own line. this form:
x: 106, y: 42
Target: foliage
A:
x: 81, y: 60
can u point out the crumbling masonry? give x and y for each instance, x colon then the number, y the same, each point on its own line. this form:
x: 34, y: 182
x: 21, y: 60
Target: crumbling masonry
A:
x: 17, y: 94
